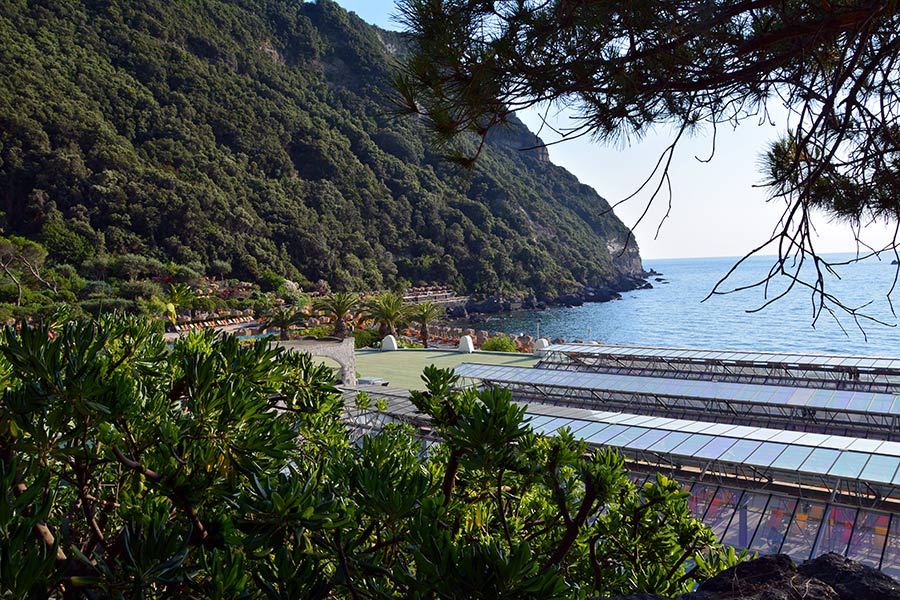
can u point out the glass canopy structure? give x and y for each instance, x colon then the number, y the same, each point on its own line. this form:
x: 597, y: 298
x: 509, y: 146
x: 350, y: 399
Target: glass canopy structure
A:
x: 812, y: 370
x: 781, y: 452
x: 830, y: 411
x: 762, y: 489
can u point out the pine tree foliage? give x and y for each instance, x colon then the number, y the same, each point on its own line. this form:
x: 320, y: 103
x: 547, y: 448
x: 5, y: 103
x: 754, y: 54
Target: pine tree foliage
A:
x: 831, y: 67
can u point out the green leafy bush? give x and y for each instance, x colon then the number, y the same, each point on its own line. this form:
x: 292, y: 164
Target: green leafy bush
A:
x: 223, y: 470
x: 366, y: 338
x: 499, y: 343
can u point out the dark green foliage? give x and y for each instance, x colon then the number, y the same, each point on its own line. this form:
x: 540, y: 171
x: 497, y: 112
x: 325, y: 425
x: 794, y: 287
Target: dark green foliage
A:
x: 365, y: 338
x: 220, y: 470
x: 499, y: 343
x: 254, y: 138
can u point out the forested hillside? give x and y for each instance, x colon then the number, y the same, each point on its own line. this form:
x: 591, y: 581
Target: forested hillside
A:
x: 256, y: 137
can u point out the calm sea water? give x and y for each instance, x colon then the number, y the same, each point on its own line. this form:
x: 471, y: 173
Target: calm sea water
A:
x: 673, y: 314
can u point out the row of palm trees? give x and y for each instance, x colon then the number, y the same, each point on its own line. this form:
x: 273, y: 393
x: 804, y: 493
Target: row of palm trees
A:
x: 386, y: 310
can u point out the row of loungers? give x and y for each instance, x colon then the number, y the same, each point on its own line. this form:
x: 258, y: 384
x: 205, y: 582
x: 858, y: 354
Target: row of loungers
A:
x: 216, y: 323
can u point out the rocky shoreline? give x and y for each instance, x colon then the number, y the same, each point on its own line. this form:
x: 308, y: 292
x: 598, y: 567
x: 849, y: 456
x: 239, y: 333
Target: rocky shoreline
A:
x: 775, y: 577
x: 605, y: 293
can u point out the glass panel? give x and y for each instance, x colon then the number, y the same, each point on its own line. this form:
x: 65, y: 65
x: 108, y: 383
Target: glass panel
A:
x: 715, y: 448
x: 700, y: 496
x: 693, y: 426
x: 747, y: 516
x: 820, y: 460
x: 849, y: 465
x: 551, y: 426
x: 836, y: 529
x: 692, y: 444
x: 647, y: 440
x: 880, y: 468
x: 721, y: 510
x: 787, y: 436
x: 592, y: 429
x: 628, y: 435
x: 577, y: 425
x: 718, y: 429
x: 838, y: 442
x: 840, y: 400
x: 670, y: 441
x: 658, y: 422
x: 792, y: 457
x: 881, y: 404
x: 740, y: 451
x: 821, y: 398
x: 813, y: 439
x: 890, y: 564
x: 889, y: 448
x: 761, y: 434
x: 864, y: 445
x: 537, y: 421
x: 801, y: 397
x: 636, y: 420
x: 766, y: 454
x: 741, y: 431
x: 609, y: 432
x: 868, y: 538
x: 773, y: 525
x: 801, y: 535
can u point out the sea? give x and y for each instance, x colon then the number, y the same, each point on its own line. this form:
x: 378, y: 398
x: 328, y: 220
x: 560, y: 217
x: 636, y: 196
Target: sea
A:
x: 678, y: 312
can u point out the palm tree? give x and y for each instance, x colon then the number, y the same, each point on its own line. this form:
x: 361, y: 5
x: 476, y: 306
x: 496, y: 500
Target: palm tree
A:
x: 337, y: 305
x: 283, y: 319
x: 388, y: 311
x: 425, y: 313
x: 179, y: 295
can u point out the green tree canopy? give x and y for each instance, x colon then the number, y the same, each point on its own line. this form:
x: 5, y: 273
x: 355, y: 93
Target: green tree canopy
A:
x: 388, y: 312
x: 425, y: 314
x: 283, y: 318
x: 339, y: 307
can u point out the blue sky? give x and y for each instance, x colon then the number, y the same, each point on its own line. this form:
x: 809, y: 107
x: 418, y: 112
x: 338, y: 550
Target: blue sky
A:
x: 716, y: 208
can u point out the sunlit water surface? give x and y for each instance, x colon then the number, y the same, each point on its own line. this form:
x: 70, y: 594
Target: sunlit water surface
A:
x: 673, y: 313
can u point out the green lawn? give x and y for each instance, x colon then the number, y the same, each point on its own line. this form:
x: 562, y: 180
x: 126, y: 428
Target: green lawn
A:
x: 403, y: 368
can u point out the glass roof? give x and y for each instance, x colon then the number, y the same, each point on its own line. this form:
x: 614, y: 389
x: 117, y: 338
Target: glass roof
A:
x: 704, y: 355
x: 829, y: 456
x: 834, y: 400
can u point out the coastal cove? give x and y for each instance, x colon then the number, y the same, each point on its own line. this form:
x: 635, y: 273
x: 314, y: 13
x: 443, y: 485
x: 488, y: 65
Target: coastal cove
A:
x: 672, y: 314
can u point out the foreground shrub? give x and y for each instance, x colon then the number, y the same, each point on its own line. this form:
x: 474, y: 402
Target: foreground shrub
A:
x: 216, y: 469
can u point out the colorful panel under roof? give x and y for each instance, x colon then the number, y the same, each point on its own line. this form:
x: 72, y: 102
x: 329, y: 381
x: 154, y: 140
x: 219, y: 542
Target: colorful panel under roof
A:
x: 835, y: 400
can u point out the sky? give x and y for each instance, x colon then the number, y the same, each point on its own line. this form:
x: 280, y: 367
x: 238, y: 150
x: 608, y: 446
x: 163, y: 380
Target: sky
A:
x: 717, y: 207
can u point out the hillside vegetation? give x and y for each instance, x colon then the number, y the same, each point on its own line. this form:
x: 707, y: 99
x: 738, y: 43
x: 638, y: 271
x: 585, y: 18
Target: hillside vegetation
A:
x: 256, y: 137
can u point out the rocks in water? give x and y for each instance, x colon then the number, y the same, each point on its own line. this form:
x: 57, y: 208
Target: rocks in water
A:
x: 570, y: 300
x: 774, y: 577
x: 457, y: 312
x: 490, y: 306
x: 601, y: 294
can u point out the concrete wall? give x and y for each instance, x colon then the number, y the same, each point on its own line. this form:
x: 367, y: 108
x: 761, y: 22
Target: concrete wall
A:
x: 341, y: 351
